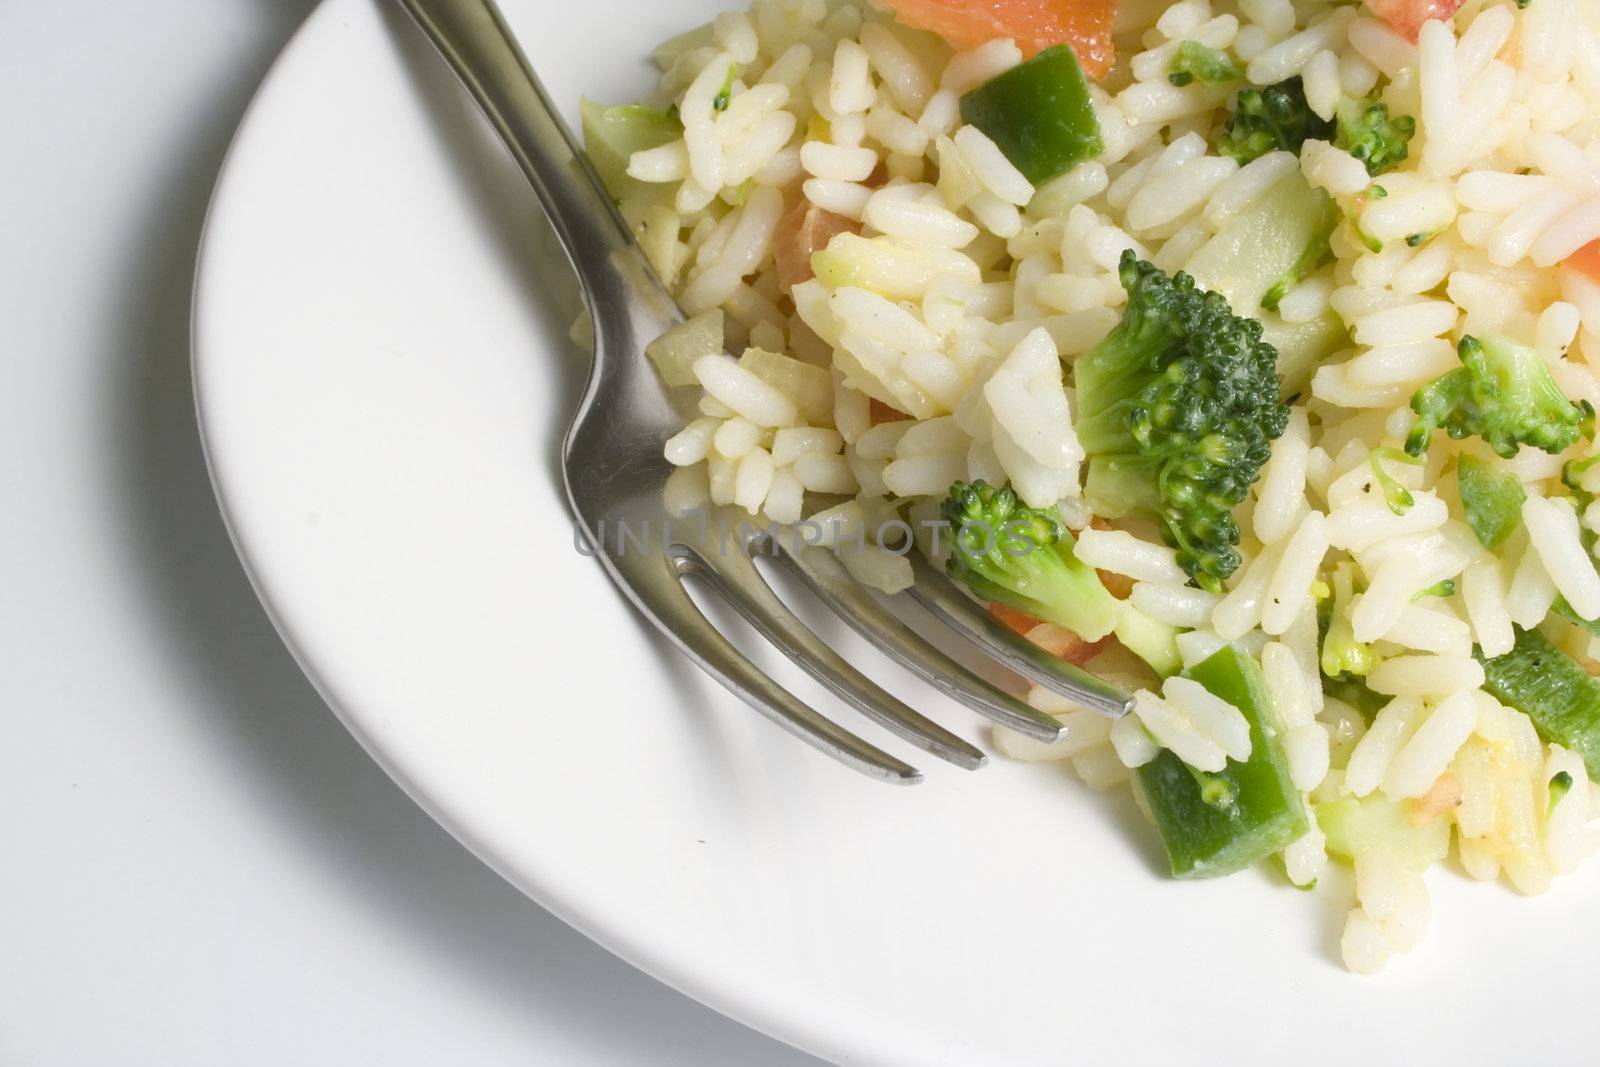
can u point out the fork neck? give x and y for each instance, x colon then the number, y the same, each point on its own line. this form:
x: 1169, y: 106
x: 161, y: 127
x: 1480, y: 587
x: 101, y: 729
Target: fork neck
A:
x: 628, y: 302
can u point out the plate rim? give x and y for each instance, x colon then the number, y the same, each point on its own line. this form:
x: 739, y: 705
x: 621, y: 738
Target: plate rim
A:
x: 701, y: 988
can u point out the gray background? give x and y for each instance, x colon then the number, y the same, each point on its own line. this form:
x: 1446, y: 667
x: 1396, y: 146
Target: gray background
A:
x: 197, y: 864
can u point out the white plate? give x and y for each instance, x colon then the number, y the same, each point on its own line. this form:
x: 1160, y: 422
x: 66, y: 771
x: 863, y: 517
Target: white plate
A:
x: 383, y: 377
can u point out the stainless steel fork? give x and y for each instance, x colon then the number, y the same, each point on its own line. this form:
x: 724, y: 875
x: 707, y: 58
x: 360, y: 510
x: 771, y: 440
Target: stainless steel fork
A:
x: 614, y: 471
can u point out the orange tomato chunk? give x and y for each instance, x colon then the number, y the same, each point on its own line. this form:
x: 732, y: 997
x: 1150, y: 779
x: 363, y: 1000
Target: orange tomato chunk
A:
x: 1034, y: 24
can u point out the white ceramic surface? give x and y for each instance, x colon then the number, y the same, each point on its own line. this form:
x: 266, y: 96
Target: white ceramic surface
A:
x: 382, y: 376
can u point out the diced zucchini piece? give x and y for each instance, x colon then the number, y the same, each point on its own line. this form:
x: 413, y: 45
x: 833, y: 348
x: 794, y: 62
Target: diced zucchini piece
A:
x: 1547, y: 685
x: 1039, y: 113
x: 889, y: 267
x: 1376, y: 825
x: 656, y: 227
x: 809, y: 386
x: 1317, y: 251
x: 1492, y: 499
x: 675, y: 351
x: 667, y: 52
x: 1205, y: 834
x: 1302, y: 346
x: 611, y: 135
x: 1269, y: 241
x: 958, y: 182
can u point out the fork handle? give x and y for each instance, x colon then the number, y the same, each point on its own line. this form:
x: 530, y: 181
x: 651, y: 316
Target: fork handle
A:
x: 474, y: 39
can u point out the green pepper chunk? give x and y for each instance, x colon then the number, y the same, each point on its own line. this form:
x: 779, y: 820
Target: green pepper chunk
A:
x: 1039, y: 113
x: 1547, y: 685
x: 1244, y: 812
x: 1566, y: 611
x: 1491, y: 499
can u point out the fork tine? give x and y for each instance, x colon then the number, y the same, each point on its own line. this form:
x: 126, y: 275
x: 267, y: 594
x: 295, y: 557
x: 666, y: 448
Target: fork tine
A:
x: 734, y: 576
x: 822, y: 572
x: 941, y: 597
x: 654, y: 586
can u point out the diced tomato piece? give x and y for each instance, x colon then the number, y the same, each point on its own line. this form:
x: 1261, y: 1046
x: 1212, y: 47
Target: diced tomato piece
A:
x: 1444, y: 795
x: 1407, y: 16
x: 1586, y: 261
x: 879, y: 412
x: 804, y: 229
x: 1018, y: 622
x: 1034, y: 24
x: 1064, y: 644
x: 1118, y: 585
x: 1056, y: 640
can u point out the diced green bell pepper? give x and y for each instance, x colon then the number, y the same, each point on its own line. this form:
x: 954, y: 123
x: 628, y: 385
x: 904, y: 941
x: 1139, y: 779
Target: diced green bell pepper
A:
x: 1206, y: 838
x: 1039, y: 113
x: 1547, y: 685
x: 1566, y: 611
x: 1492, y: 500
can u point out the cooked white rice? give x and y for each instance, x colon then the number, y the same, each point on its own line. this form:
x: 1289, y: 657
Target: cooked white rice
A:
x: 971, y: 291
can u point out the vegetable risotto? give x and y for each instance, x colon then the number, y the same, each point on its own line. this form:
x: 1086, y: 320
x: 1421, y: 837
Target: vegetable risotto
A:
x: 1244, y: 351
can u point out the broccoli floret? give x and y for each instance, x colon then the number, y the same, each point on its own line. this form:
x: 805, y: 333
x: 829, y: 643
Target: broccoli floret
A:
x: 1503, y: 393
x: 1279, y: 118
x: 1180, y: 408
x: 1269, y: 120
x: 1367, y: 131
x: 1195, y: 62
x: 1008, y: 553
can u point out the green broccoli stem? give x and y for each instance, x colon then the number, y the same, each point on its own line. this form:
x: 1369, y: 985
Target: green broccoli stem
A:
x: 1397, y: 496
x: 1154, y: 642
x: 1021, y: 557
x: 1342, y: 654
x: 1560, y: 786
x: 1064, y: 593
